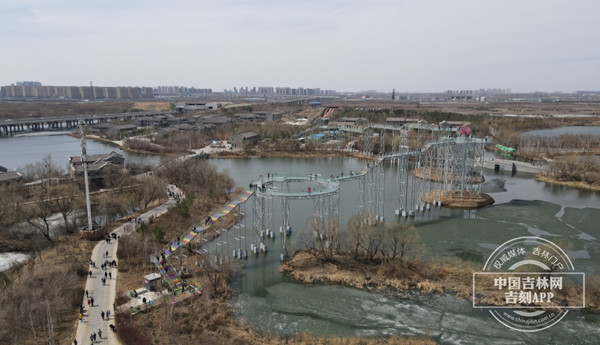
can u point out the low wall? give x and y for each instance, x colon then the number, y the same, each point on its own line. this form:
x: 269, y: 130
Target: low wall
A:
x: 93, y: 235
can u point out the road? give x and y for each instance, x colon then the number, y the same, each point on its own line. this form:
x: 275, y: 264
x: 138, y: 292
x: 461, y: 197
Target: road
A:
x: 104, y: 293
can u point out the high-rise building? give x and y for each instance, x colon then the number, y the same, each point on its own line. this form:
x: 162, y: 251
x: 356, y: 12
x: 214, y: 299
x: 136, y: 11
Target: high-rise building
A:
x: 73, y: 92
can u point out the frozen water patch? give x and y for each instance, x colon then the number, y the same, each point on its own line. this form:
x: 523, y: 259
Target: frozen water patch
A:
x: 538, y: 232
x: 560, y: 213
x: 9, y: 259
x: 491, y: 246
x: 578, y: 254
x: 583, y: 236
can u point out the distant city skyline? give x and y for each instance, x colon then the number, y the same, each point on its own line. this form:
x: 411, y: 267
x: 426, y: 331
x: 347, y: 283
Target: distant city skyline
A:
x: 35, y: 89
x: 343, y: 45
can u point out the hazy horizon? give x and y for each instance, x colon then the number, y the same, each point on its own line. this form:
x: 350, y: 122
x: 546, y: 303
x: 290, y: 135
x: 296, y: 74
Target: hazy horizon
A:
x: 344, y: 45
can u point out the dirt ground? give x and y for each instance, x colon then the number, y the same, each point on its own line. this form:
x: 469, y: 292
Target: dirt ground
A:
x: 20, y: 109
x: 472, y: 108
x: 24, y: 109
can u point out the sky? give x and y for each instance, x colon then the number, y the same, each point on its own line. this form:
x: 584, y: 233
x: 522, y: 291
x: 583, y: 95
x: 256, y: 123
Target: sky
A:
x: 344, y: 45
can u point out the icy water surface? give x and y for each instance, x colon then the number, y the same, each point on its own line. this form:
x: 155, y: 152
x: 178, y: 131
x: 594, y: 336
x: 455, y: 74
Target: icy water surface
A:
x: 271, y: 302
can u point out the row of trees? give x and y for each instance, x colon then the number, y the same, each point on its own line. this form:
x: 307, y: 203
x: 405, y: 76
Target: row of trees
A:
x: 197, y: 177
x: 52, y: 199
x: 533, y: 146
x: 580, y: 169
x: 35, y: 303
x: 363, y: 239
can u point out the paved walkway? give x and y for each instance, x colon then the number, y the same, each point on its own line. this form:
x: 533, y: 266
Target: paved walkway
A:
x: 104, y: 293
x: 506, y: 164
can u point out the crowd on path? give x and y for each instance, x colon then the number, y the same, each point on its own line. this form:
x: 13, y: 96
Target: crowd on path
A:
x: 98, y: 296
x: 96, y: 322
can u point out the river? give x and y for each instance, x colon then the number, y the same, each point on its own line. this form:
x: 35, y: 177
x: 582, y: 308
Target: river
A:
x: 18, y: 151
x: 579, y: 130
x: 271, y: 302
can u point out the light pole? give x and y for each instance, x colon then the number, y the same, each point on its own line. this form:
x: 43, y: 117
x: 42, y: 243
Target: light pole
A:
x: 85, y: 174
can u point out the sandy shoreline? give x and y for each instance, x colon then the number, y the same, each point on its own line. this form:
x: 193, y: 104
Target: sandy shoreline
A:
x: 570, y: 184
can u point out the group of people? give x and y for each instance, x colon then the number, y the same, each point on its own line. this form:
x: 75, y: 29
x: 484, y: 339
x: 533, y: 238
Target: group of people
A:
x: 176, y: 196
x: 110, y: 264
x: 175, y: 193
x: 96, y: 335
x: 102, y: 313
x: 112, y: 236
x: 93, y: 335
x: 90, y: 299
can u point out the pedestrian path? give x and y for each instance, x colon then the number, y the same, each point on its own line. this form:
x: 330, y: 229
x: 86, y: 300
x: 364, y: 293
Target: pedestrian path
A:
x: 95, y: 319
x: 102, y: 281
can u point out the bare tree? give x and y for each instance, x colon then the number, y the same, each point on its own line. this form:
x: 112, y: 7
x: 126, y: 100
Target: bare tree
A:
x: 357, y: 232
x: 218, y: 275
x: 325, y: 240
x: 197, y: 177
x: 42, y: 170
x: 66, y: 198
x: 133, y: 196
x: 387, y: 241
x: 152, y: 189
x: 373, y: 240
x: 10, y: 199
x: 41, y: 207
x: 400, y: 240
x: 39, y: 210
x: 110, y: 205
